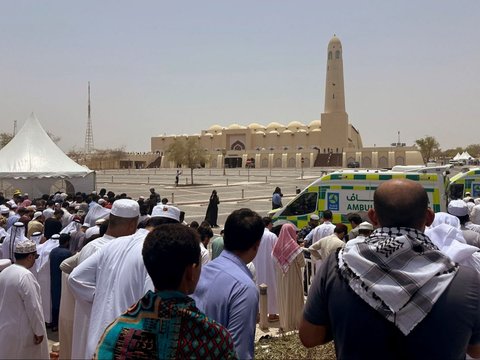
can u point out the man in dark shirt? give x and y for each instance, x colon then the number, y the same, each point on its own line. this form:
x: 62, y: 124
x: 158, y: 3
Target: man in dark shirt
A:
x: 395, y: 295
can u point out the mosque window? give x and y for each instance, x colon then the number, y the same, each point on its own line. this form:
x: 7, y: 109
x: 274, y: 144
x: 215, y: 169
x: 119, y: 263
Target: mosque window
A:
x: 337, y: 54
x: 330, y: 55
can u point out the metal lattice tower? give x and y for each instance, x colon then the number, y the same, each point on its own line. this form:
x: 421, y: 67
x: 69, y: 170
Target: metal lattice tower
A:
x: 89, y: 132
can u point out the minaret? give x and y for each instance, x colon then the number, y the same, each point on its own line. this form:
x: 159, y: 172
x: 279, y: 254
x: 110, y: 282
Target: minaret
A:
x: 335, y: 128
x: 89, y: 133
x: 334, y: 88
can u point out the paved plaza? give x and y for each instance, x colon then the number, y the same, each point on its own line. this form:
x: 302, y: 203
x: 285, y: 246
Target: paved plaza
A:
x: 236, y: 189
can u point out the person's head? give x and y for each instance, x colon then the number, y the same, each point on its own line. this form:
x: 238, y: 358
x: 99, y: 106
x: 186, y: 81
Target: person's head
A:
x: 194, y: 224
x: 277, y: 190
x: 164, y: 214
x: 164, y: 201
x: 52, y: 226
x: 314, y: 220
x: 267, y: 222
x: 242, y: 233
x: 401, y: 203
x: 365, y: 228
x: 354, y: 220
x: 214, y: 192
x: 64, y: 240
x: 58, y: 213
x: 123, y: 218
x: 340, y: 230
x: 152, y: 190
x: 171, y: 254
x: 459, y: 208
x: 327, y: 215
x: 205, y: 232
x: 26, y: 253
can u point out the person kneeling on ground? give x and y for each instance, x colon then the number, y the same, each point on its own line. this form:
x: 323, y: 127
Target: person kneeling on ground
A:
x: 166, y: 324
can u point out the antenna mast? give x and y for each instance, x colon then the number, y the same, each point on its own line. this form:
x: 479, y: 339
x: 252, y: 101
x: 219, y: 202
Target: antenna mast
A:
x: 89, y: 134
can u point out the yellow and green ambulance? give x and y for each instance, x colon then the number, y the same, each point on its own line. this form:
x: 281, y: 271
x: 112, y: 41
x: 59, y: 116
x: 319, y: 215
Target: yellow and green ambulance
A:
x: 351, y: 191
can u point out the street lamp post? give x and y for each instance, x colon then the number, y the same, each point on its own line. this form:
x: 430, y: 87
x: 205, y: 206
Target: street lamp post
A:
x: 224, y: 152
x: 301, y: 164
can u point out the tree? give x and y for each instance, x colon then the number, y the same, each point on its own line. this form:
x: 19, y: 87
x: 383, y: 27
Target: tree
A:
x: 5, y: 139
x: 187, y: 152
x: 474, y: 150
x: 429, y: 148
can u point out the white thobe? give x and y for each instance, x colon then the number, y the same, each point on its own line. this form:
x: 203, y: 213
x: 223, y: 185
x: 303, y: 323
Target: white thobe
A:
x: 43, y: 276
x: 113, y: 279
x: 83, y: 309
x: 204, y: 254
x: 265, y: 269
x: 21, y: 315
x: 67, y: 309
x: 475, y: 215
x: 321, y: 231
x: 94, y: 230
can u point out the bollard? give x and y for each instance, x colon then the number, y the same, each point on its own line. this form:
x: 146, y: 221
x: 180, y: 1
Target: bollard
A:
x: 186, y: 181
x: 173, y: 198
x: 263, y: 307
x: 112, y: 179
x: 266, y: 179
x: 243, y: 194
x: 148, y: 180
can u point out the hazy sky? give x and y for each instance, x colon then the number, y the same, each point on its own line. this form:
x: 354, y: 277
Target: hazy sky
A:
x: 179, y: 67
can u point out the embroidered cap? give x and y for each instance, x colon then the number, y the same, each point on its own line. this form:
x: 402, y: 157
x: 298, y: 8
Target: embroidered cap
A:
x: 25, y: 247
x: 166, y: 211
x: 4, y: 209
x: 37, y: 215
x: 365, y: 226
x: 457, y: 208
x: 125, y: 208
x: 314, y: 217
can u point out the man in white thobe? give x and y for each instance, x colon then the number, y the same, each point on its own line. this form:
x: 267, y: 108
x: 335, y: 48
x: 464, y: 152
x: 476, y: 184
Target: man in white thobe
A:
x: 22, y: 327
x: 115, y: 277
x: 323, y: 230
x: 122, y: 221
x: 265, y: 267
x: 15, y: 234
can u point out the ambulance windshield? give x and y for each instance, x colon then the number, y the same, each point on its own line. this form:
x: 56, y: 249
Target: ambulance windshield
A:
x: 306, y: 203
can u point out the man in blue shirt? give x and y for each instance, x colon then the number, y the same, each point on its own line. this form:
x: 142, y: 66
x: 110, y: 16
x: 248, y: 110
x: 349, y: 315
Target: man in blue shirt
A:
x: 226, y: 291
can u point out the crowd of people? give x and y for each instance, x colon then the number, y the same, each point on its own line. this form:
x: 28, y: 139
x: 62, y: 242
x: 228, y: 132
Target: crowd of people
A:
x: 128, y: 278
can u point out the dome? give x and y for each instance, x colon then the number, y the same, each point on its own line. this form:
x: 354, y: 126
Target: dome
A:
x: 334, y: 41
x: 255, y: 126
x: 260, y: 132
x: 287, y: 132
x: 301, y: 130
x: 274, y: 125
x: 295, y: 124
x: 235, y: 127
x: 215, y: 127
x: 315, y: 124
x: 274, y: 132
x: 208, y: 134
x: 315, y: 130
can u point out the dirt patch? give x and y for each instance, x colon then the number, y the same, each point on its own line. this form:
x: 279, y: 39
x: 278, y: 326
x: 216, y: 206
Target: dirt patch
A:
x: 290, y: 347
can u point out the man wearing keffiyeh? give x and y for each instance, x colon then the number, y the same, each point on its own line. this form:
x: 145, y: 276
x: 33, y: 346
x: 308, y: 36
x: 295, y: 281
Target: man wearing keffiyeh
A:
x: 415, y: 301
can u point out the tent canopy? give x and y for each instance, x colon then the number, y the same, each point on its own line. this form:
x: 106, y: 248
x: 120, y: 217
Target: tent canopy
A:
x: 32, y: 154
x: 31, y: 161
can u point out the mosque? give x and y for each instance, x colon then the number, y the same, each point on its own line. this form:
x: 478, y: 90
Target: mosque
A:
x: 330, y: 141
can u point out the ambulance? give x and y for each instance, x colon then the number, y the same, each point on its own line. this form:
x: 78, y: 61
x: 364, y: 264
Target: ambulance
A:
x: 351, y: 191
x: 466, y: 181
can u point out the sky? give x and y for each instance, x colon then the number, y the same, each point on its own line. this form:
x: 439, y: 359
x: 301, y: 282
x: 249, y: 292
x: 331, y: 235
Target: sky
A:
x: 178, y: 67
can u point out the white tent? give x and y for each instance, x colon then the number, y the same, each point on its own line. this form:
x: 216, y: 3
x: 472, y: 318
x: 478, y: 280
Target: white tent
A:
x: 33, y: 163
x: 465, y: 156
x: 456, y: 157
